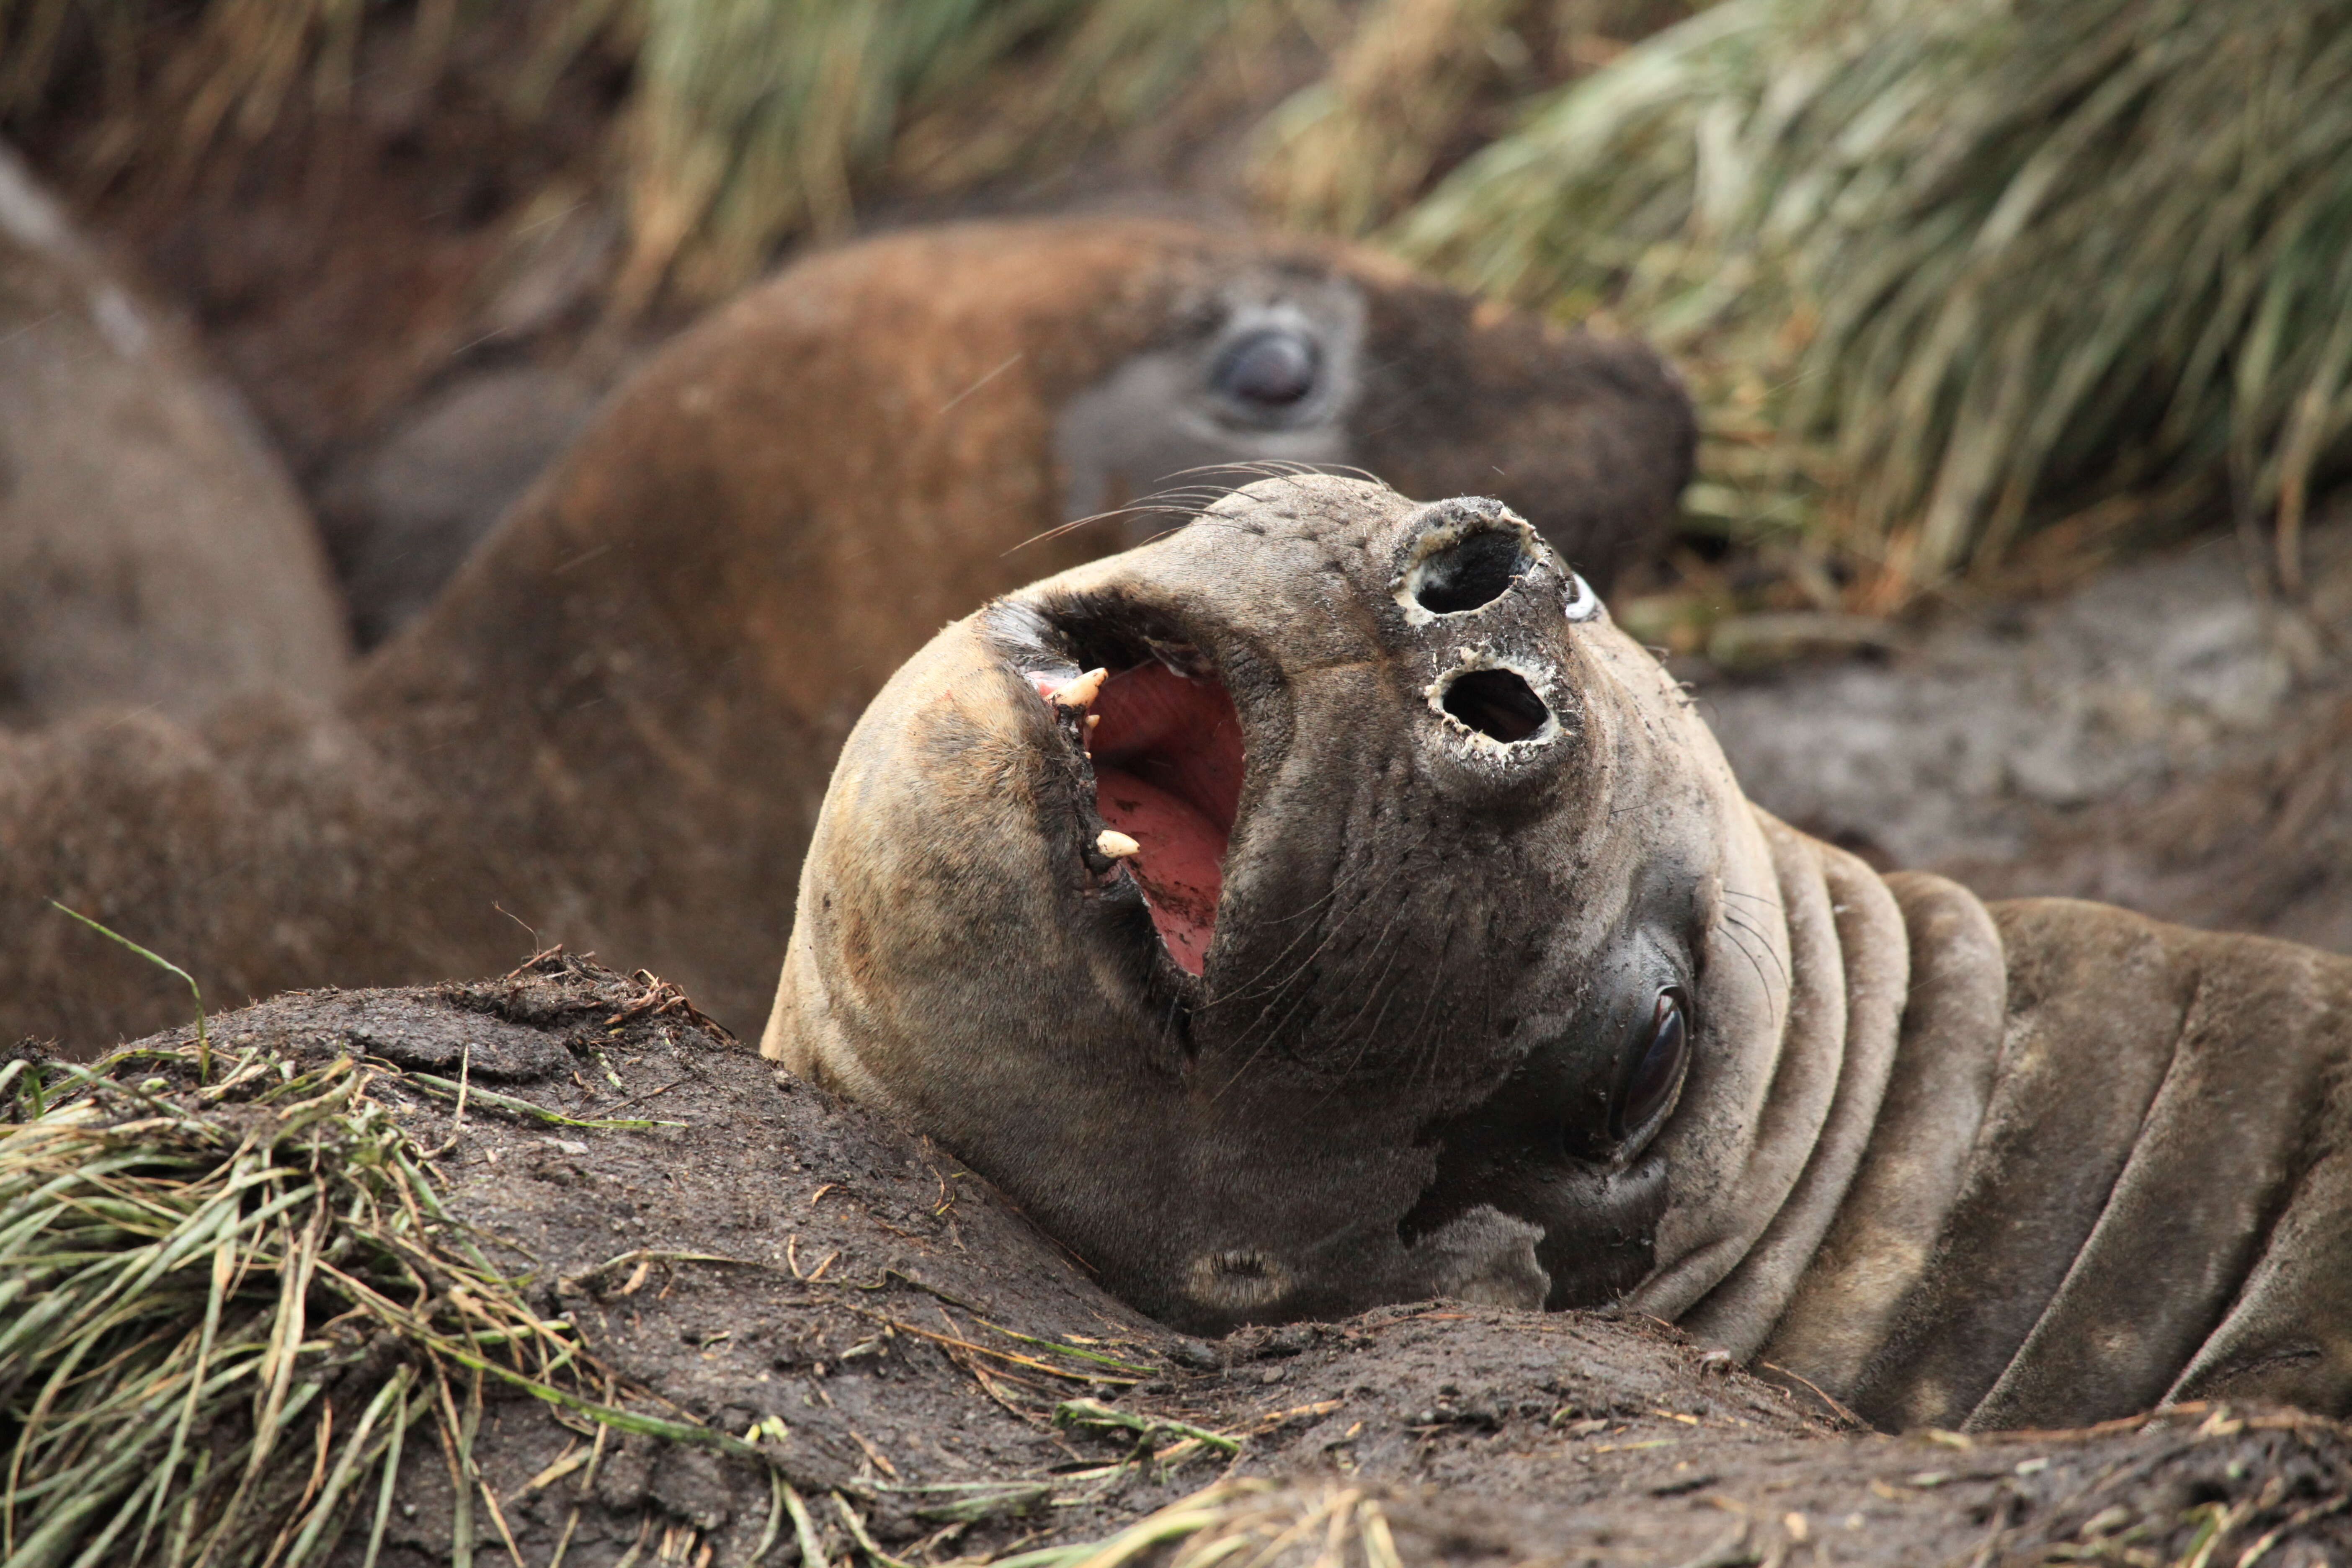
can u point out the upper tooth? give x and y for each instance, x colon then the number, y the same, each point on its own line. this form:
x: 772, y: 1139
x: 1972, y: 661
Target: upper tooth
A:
x: 1081, y: 692
x: 1117, y: 845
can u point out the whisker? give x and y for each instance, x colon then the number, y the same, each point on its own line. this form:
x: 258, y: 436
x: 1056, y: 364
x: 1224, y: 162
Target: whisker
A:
x: 1732, y: 919
x: 1764, y: 985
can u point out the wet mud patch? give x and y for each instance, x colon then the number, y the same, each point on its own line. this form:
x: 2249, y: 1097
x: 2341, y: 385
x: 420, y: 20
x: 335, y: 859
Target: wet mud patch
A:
x: 914, y: 1375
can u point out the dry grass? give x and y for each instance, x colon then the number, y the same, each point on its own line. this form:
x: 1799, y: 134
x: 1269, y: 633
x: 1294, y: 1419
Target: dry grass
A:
x: 1347, y: 153
x: 227, y: 1299
x: 755, y: 119
x: 1413, y: 84
x: 1950, y: 272
x: 1247, y: 1523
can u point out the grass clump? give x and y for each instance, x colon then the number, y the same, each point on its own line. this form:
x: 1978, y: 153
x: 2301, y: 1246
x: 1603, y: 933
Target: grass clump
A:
x: 1948, y: 272
x: 1247, y: 1521
x: 1345, y: 155
x: 1415, y: 85
x: 226, y: 1308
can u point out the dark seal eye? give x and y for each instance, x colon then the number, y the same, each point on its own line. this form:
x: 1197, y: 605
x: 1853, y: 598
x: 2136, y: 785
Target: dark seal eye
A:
x: 1660, y: 1058
x: 1269, y: 371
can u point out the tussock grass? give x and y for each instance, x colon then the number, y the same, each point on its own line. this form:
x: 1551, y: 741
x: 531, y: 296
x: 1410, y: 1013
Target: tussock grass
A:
x: 1415, y: 83
x: 226, y: 1308
x: 1347, y: 153
x: 1949, y: 268
x: 754, y: 119
x: 749, y: 121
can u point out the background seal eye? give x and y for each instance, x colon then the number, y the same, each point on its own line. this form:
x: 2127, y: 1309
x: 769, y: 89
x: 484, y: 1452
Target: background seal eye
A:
x: 1268, y: 374
x: 1583, y: 604
x: 1654, y: 1077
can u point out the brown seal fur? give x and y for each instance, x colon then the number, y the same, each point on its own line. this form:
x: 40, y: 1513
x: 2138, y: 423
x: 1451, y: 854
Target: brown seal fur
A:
x: 151, y: 550
x: 1434, y: 949
x: 617, y: 723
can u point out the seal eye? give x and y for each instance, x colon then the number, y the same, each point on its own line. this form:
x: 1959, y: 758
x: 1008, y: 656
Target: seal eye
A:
x: 1656, y: 1073
x: 1269, y: 371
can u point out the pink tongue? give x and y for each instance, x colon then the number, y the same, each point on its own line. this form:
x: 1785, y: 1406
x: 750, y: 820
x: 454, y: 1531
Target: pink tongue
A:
x: 1181, y: 864
x: 1168, y: 771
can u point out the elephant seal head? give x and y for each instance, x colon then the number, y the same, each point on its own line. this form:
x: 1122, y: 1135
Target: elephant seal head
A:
x: 1323, y: 905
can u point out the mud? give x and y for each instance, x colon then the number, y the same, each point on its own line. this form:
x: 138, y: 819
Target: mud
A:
x: 2167, y: 738
x: 915, y: 1338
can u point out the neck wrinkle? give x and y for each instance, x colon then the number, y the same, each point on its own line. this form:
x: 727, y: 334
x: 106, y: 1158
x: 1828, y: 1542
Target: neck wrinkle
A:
x: 1741, y: 1312
x: 1848, y: 965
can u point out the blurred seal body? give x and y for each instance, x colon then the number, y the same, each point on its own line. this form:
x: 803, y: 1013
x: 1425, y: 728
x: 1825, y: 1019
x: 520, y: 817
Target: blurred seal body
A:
x: 1326, y: 905
x: 153, y: 551
x: 615, y: 724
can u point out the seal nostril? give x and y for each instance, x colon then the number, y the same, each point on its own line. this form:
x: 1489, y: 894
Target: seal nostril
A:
x: 1497, y: 703
x: 1473, y: 570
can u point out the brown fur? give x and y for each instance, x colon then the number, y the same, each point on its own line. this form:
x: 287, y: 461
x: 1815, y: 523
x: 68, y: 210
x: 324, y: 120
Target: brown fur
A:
x: 2032, y: 1163
x: 617, y: 723
x: 151, y: 550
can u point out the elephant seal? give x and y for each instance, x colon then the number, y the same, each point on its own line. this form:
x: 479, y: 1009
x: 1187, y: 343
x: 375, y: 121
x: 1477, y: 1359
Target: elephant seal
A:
x: 152, y: 551
x: 1327, y: 905
x: 614, y: 726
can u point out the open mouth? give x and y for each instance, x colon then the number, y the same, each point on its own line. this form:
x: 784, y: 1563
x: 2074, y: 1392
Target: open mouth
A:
x: 1137, y: 694
x: 1168, y: 773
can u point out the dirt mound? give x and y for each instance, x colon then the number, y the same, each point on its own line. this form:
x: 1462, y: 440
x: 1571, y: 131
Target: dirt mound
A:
x: 919, y: 1374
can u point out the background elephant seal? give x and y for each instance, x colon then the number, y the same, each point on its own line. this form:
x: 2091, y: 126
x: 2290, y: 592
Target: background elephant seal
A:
x: 153, y: 551
x: 615, y: 725
x: 1063, y: 369
x: 1326, y: 905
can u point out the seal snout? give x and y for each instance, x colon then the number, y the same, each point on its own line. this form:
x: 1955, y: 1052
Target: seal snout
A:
x: 1486, y: 596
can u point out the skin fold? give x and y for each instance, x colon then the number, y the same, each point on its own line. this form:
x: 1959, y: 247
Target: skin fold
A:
x: 2035, y: 1162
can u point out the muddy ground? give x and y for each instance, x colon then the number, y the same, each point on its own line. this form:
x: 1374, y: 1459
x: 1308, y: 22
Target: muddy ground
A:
x: 2169, y: 737
x: 916, y: 1339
